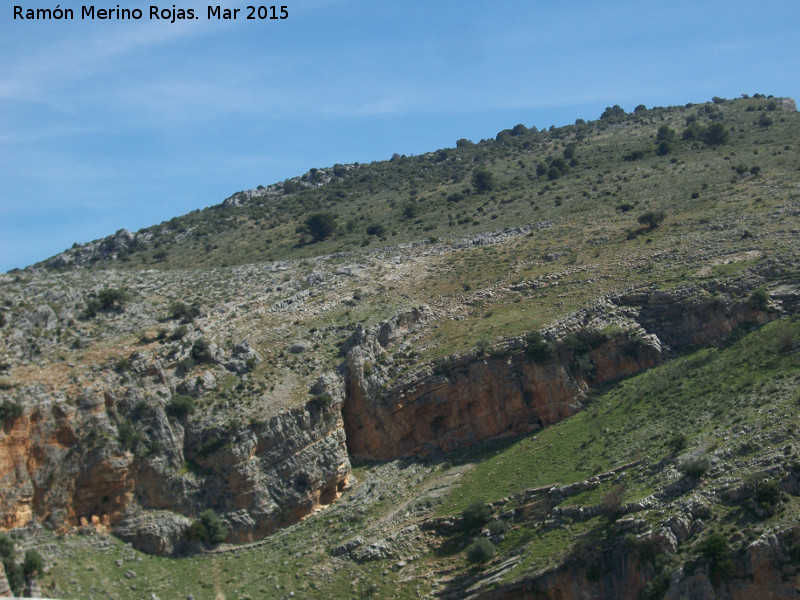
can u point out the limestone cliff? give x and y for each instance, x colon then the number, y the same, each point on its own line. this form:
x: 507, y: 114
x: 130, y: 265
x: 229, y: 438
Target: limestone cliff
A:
x: 62, y: 465
x: 503, y: 391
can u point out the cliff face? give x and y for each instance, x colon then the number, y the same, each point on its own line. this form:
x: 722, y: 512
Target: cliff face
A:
x: 256, y: 477
x: 473, y: 398
x: 476, y: 399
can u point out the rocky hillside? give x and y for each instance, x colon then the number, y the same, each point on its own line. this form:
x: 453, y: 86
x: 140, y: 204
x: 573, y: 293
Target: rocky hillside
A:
x: 458, y: 317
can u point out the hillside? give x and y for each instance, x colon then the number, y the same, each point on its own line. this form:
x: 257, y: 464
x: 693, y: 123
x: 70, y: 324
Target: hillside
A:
x: 590, y: 328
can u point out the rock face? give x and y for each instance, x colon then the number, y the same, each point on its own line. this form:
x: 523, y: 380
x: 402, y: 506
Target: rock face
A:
x: 256, y: 477
x: 762, y: 572
x: 473, y: 398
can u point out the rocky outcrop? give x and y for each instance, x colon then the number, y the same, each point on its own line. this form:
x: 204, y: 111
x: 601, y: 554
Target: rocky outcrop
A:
x: 763, y: 570
x: 110, y: 248
x: 85, y: 466
x: 475, y: 397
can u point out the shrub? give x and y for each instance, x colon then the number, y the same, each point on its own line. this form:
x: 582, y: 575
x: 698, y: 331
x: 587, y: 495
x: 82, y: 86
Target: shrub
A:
x: 611, y: 506
x: 187, y: 363
x: 666, y: 134
x: 212, y: 444
x: 538, y: 348
x: 10, y: 410
x: 765, y: 492
x: 480, y: 551
x: 289, y: 187
x: 677, y: 443
x: 663, y: 148
x: 320, y: 401
x: 475, y: 515
x: 694, y: 467
x: 183, y: 312
x: 320, y: 226
x: 181, y: 406
x: 14, y: 572
x: 200, y: 351
x: 216, y: 529
x: 197, y: 532
x: 33, y: 564
x: 759, y: 299
x: 634, y: 155
x: 613, y: 113
x: 376, y: 229
x: 483, y: 180
x: 716, y: 135
x: 716, y: 551
x: 127, y: 435
x: 652, y: 218
x: 411, y: 211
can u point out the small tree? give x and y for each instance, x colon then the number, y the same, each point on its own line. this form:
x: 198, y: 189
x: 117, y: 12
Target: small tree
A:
x: 321, y: 226
x: 181, y: 406
x: 759, y: 299
x: 652, y: 218
x: 33, y: 564
x: 538, y: 348
x: 475, y: 515
x: 480, y: 551
x: 716, y: 135
x: 217, y: 531
x: 483, y: 180
x: 695, y: 467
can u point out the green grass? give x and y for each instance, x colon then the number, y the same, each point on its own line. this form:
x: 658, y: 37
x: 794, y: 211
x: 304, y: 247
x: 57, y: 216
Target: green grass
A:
x: 702, y: 395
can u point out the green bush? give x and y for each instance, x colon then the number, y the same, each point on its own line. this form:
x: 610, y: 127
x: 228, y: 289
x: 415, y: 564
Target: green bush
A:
x: 14, y: 572
x: 200, y: 352
x: 483, y: 180
x: 475, y: 515
x: 127, y: 435
x: 187, y: 363
x: 677, y: 443
x: 320, y: 401
x: 320, y: 226
x: 694, y: 467
x: 183, y: 312
x: 181, y: 406
x: 33, y: 564
x: 10, y: 410
x: 759, y: 299
x: 538, y: 348
x: 217, y: 531
x: 716, y: 135
x: 716, y: 551
x: 480, y: 551
x: 212, y: 444
x: 652, y: 218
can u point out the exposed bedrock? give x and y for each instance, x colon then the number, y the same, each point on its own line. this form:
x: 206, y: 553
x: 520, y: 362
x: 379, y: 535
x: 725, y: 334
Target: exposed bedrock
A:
x: 61, y: 465
x: 763, y: 571
x: 113, y: 458
x: 475, y: 397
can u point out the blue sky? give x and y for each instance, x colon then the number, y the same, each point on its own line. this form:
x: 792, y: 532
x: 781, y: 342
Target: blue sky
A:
x: 112, y: 124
